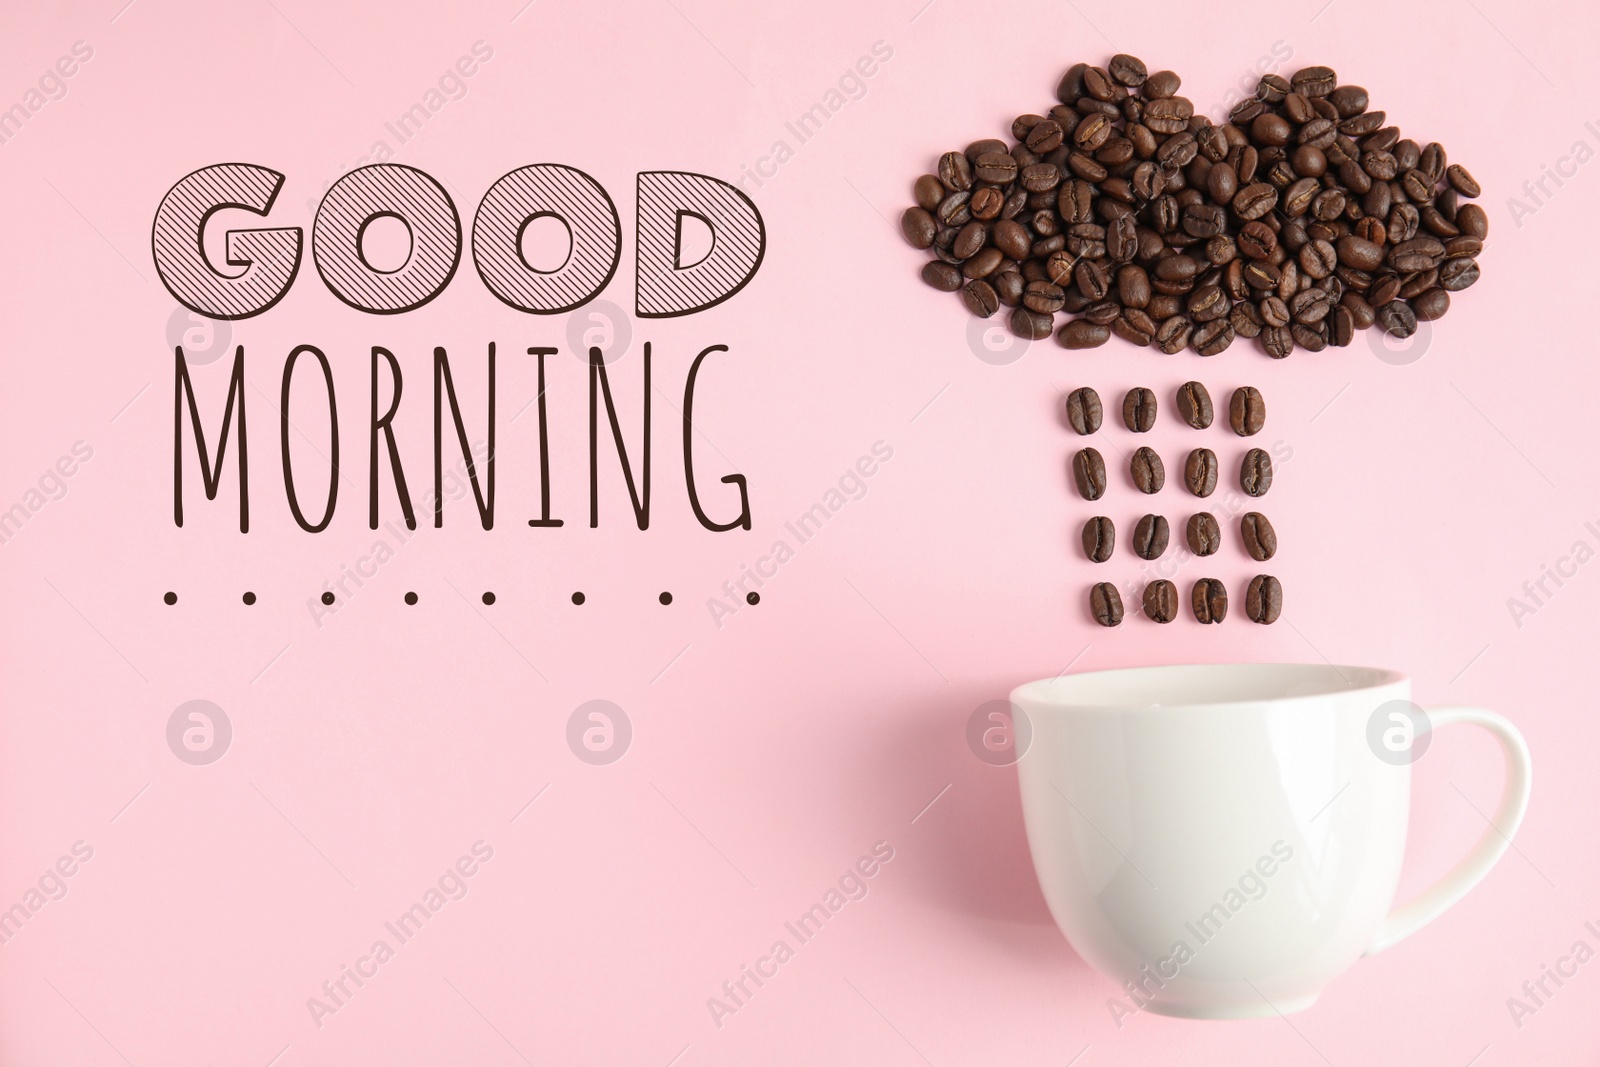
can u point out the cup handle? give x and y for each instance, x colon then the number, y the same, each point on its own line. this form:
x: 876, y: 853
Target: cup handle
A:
x: 1410, y: 917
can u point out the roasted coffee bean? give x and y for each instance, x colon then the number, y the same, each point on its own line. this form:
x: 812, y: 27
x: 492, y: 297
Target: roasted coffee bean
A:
x: 972, y: 237
x: 1311, y: 305
x: 1161, y: 85
x: 1090, y: 278
x: 1172, y: 336
x: 981, y: 299
x: 1031, y: 325
x: 955, y: 171
x: 1461, y: 181
x: 1105, y: 604
x: 954, y: 209
x: 1008, y: 285
x: 1081, y: 333
x: 997, y: 168
x: 1277, y: 341
x: 1168, y: 114
x: 1263, y: 601
x: 1247, y: 411
x: 1149, y: 475
x: 928, y: 191
x: 1194, y: 405
x: 942, y: 276
x: 1457, y: 274
x: 1084, y: 413
x: 1135, y: 327
x: 983, y: 264
x: 918, y: 226
x: 1212, y: 338
x: 1246, y: 319
x: 1260, y: 539
x: 1150, y: 537
x: 1204, y: 535
x: 1161, y: 600
x: 1044, y: 297
x: 1419, y: 253
x: 1129, y: 70
x: 1045, y: 136
x: 1341, y: 326
x: 1255, y: 473
x: 1431, y: 304
x: 1209, y: 600
x: 1133, y: 286
x: 1397, y: 319
x: 1099, y: 538
x: 1473, y: 221
x: 1207, y: 303
x: 1200, y: 472
x: 1090, y: 471
x: 1139, y: 410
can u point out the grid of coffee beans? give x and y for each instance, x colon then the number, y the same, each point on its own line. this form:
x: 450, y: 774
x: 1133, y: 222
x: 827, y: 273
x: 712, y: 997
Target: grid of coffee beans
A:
x: 1302, y: 219
x: 1152, y: 534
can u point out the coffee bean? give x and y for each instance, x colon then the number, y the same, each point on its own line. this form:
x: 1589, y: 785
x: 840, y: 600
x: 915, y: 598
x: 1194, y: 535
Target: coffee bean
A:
x: 1473, y: 221
x: 1162, y: 85
x: 1260, y: 539
x: 997, y: 168
x: 1431, y: 304
x: 1194, y: 405
x: 1263, y: 601
x: 941, y: 276
x: 1461, y: 181
x: 981, y: 299
x: 1247, y: 411
x: 1211, y: 338
x: 1090, y: 471
x: 1008, y: 286
x: 1457, y: 274
x: 955, y: 171
x: 1149, y: 475
x: 1278, y: 341
x: 1135, y: 327
x: 1139, y: 410
x: 1204, y: 535
x: 1255, y: 473
x: 1084, y: 412
x: 1161, y: 600
x: 1105, y: 604
x: 1129, y: 70
x: 1172, y: 336
x: 1081, y: 333
x: 1031, y: 325
x: 1200, y: 472
x: 1397, y: 319
x: 918, y: 227
x: 1150, y: 537
x: 1209, y: 600
x: 972, y: 237
x: 1099, y: 538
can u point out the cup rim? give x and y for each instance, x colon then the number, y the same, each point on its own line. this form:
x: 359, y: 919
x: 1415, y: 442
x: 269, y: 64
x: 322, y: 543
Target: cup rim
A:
x: 1336, y: 680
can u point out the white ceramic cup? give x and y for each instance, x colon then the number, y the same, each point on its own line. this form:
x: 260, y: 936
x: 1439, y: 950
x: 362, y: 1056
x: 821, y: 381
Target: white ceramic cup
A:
x: 1223, y: 840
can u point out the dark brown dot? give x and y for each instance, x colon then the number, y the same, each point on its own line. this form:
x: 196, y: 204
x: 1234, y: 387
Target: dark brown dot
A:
x: 327, y: 598
x: 249, y: 598
x: 171, y: 598
x: 665, y: 598
x: 577, y: 598
x: 488, y: 598
x: 752, y: 598
x: 411, y: 598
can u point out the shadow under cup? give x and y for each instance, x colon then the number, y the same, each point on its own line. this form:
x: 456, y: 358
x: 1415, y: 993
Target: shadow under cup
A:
x: 1220, y: 839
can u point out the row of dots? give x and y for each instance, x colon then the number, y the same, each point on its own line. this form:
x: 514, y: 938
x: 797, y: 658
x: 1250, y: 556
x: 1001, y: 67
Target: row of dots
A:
x: 328, y: 598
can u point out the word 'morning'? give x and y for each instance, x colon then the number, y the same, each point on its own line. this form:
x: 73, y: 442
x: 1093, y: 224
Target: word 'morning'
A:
x: 263, y: 263
x: 386, y: 372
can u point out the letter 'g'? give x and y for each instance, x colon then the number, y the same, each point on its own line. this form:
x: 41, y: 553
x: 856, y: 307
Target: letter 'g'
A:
x: 270, y: 258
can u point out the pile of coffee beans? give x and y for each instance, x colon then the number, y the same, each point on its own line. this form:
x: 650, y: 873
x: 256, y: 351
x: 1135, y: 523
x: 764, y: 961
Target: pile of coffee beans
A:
x: 1152, y: 533
x: 1301, y: 220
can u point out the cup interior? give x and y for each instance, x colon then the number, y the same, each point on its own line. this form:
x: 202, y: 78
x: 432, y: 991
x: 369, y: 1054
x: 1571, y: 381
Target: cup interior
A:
x: 1199, y: 685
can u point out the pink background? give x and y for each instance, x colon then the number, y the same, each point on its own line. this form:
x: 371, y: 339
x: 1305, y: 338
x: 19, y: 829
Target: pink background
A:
x: 769, y: 752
